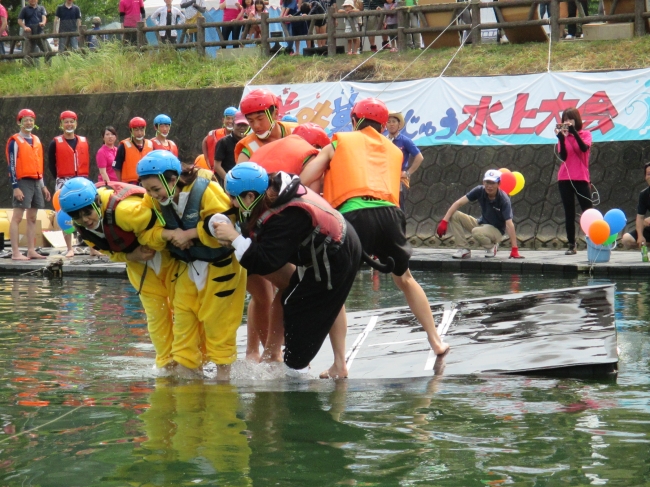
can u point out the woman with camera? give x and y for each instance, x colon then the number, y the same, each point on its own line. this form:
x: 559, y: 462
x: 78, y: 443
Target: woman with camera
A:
x: 574, y: 146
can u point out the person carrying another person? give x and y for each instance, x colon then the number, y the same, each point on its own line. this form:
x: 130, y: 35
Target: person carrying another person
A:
x: 362, y: 177
x: 291, y: 227
x: 168, y: 15
x: 67, y: 18
x: 641, y: 234
x: 260, y: 107
x: 111, y: 219
x: 24, y: 153
x: 574, y: 148
x: 131, y: 150
x: 412, y: 155
x: 488, y: 230
x: 210, y: 284
x: 68, y: 157
x: 131, y: 12
x: 163, y: 124
x: 224, y: 153
x: 210, y: 141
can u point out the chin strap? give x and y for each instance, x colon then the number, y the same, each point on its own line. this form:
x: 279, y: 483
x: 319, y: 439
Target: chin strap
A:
x: 245, y: 211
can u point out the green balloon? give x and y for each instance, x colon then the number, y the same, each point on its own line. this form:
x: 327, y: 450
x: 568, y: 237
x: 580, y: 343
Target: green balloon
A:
x: 611, y: 239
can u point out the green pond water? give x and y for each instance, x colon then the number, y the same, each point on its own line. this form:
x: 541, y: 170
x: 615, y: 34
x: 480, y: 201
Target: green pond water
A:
x: 79, y: 405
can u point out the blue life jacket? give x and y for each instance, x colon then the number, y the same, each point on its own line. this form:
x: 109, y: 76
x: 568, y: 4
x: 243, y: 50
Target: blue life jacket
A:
x: 191, y: 219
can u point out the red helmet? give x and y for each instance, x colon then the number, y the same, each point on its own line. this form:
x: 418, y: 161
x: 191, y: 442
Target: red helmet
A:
x: 137, y: 122
x: 25, y: 112
x: 258, y: 101
x: 68, y: 114
x: 371, y: 109
x: 312, y: 133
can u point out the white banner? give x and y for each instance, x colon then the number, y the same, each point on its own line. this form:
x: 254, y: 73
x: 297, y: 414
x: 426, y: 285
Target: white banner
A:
x: 513, y: 110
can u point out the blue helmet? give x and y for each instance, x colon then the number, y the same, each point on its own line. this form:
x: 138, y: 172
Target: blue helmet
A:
x: 289, y: 118
x: 77, y: 193
x: 157, y: 162
x: 247, y: 176
x: 162, y: 119
x: 230, y: 112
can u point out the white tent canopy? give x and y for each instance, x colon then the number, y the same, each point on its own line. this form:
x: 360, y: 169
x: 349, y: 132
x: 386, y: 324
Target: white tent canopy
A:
x: 150, y: 6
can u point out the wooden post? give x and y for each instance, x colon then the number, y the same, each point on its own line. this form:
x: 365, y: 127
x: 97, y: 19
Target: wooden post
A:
x: 82, y: 36
x: 476, y: 21
x: 331, y: 31
x: 639, y: 23
x: 140, y: 35
x: 200, y: 36
x: 555, y: 21
x: 265, y: 33
x: 401, y: 37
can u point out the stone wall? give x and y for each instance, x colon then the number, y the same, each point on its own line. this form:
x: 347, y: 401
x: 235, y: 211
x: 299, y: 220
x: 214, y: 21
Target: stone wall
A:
x: 446, y: 174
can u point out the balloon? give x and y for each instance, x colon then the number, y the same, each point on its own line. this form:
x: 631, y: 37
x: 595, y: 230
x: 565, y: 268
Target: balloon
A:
x: 55, y: 201
x: 616, y: 220
x: 504, y: 170
x: 612, y: 238
x: 65, y: 222
x: 508, y: 182
x: 520, y: 183
x: 588, y: 217
x: 599, y: 232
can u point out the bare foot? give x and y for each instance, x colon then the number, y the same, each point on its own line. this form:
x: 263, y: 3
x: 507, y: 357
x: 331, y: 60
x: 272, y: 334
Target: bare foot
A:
x: 35, y: 255
x: 440, y: 349
x: 253, y: 357
x: 18, y: 257
x: 271, y: 357
x: 335, y: 372
x: 69, y: 253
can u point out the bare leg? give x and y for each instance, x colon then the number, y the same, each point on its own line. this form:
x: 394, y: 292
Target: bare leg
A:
x: 68, y: 241
x: 16, y: 218
x: 31, y: 234
x: 259, y: 310
x: 419, y: 305
x: 275, y: 337
x: 339, y: 370
x: 629, y: 242
x: 223, y: 372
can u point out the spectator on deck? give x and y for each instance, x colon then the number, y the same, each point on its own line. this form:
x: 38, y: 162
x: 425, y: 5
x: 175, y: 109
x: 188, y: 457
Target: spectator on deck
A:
x: 32, y: 18
x: 67, y: 18
x: 131, y: 12
x: 641, y: 234
x: 231, y: 9
x: 3, y: 27
x: 412, y: 155
x: 168, y: 15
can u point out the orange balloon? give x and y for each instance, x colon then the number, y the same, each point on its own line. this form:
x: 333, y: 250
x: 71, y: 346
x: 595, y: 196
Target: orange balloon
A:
x: 503, y: 169
x: 55, y: 201
x: 599, y: 232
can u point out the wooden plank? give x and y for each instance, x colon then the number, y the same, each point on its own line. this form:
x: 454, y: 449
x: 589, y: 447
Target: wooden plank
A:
x: 520, y: 35
x: 440, y: 19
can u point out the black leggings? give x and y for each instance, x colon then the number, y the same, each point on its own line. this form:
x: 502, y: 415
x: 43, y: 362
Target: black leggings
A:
x: 568, y: 191
x: 227, y: 30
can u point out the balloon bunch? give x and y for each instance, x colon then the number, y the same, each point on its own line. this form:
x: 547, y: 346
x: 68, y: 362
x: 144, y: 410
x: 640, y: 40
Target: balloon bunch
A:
x: 602, y: 230
x: 511, y: 182
x: 62, y: 218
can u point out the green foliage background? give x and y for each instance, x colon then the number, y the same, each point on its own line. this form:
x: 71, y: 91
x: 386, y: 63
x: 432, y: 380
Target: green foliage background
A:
x: 106, y: 9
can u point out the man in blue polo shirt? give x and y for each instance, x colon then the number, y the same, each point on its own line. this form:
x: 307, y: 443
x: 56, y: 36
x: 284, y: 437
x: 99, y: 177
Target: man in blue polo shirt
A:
x: 32, y: 18
x: 67, y: 19
x: 488, y: 230
x: 412, y: 155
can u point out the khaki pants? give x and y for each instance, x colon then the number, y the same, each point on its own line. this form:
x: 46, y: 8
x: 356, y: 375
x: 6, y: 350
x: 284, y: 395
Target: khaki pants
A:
x: 486, y: 235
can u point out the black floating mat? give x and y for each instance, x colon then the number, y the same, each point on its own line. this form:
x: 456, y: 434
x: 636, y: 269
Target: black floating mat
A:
x: 559, y: 332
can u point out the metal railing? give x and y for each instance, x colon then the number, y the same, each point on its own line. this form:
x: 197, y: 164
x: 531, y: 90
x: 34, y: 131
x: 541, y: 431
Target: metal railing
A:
x: 193, y: 36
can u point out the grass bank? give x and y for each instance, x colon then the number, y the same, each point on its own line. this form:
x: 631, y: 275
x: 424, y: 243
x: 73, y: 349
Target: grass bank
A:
x: 113, y: 68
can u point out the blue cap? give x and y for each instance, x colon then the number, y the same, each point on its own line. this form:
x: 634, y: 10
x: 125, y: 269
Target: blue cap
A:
x: 157, y: 162
x: 77, y: 193
x: 247, y: 176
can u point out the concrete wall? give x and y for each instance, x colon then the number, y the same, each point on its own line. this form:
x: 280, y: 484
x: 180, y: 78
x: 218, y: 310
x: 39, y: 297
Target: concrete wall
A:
x: 446, y: 174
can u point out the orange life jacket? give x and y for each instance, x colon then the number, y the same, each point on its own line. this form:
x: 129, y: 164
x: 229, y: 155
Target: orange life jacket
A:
x: 71, y: 163
x: 288, y: 155
x: 131, y: 159
x: 252, y: 142
x: 365, y: 163
x: 29, y: 163
x: 200, y: 162
x: 171, y: 147
x: 212, y: 138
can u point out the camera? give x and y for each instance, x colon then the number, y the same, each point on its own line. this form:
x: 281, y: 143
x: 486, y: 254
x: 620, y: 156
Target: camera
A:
x: 564, y: 126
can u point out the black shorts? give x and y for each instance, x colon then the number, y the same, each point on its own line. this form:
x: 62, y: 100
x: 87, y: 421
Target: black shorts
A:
x: 382, y: 232
x: 646, y: 234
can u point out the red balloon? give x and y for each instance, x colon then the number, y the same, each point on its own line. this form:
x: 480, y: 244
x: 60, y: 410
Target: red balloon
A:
x: 508, y: 182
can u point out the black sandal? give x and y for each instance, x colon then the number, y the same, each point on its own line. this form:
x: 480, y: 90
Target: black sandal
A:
x: 571, y: 251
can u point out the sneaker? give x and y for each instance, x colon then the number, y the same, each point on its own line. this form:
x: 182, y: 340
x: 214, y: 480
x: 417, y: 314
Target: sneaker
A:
x: 569, y: 36
x: 394, y: 49
x: 570, y: 251
x: 373, y: 48
x: 462, y: 254
x: 492, y: 252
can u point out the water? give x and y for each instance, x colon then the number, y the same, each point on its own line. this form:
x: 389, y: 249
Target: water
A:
x: 79, y: 406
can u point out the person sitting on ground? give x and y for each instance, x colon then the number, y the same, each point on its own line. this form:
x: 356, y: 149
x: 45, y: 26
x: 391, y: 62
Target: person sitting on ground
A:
x: 638, y: 237
x: 488, y: 230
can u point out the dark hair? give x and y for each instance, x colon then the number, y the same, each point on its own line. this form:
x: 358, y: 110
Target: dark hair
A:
x: 305, y: 8
x: 167, y: 175
x: 260, y: 2
x: 270, y: 196
x: 645, y: 168
x: 110, y: 129
x: 74, y: 214
x: 369, y: 123
x: 573, y: 114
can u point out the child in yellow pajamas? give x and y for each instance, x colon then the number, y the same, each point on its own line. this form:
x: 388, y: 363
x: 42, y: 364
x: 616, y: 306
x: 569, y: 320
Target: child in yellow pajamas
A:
x: 211, y: 285
x: 110, y: 219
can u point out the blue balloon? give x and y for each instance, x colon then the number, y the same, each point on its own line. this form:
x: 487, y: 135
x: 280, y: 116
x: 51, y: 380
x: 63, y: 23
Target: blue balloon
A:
x: 65, y: 222
x: 616, y: 220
